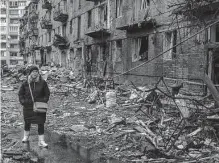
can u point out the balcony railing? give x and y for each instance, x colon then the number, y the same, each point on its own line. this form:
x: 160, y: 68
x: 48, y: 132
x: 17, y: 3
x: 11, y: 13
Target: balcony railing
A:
x: 47, y: 5
x: 35, y: 1
x: 60, y: 42
x: 60, y: 15
x: 60, y: 12
x: 135, y: 19
x: 33, y: 16
x: 13, y: 6
x: 98, y: 30
x: 13, y: 32
x: 14, y: 49
x: 33, y: 32
x: 46, y: 24
x: 14, y: 16
x: 15, y: 41
x: 99, y: 27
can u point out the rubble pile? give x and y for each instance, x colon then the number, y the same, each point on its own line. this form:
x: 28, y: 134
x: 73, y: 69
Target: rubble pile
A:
x: 56, y: 75
x: 146, y: 124
x: 131, y: 123
x: 14, y: 75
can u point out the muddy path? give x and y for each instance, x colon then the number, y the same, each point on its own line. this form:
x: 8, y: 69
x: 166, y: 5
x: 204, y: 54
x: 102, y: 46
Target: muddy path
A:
x: 14, y: 151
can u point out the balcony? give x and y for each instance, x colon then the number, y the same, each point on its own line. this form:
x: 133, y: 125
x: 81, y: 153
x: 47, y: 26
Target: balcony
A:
x: 14, y: 49
x: 14, y: 16
x: 15, y: 6
x: 132, y: 20
x: 34, y: 47
x: 60, y: 12
x: 33, y: 16
x: 3, y: 40
x: 14, y: 41
x: 198, y: 8
x: 16, y: 58
x: 13, y: 32
x: 212, y: 45
x: 34, y: 1
x: 98, y: 26
x: 98, y: 30
x: 3, y: 48
x: 60, y: 42
x: 46, y: 24
x: 33, y: 32
x: 47, y: 5
x: 3, y: 15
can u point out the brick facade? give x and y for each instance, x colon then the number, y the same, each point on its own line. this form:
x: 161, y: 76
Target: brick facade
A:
x: 104, y: 39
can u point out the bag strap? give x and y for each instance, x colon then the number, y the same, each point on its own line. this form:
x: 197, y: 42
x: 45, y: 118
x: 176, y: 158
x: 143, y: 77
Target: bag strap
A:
x: 31, y: 92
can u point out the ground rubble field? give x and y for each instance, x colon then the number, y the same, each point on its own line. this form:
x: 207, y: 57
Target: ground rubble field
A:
x: 146, y: 125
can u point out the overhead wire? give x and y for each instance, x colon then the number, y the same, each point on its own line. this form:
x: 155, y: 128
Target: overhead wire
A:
x: 150, y: 60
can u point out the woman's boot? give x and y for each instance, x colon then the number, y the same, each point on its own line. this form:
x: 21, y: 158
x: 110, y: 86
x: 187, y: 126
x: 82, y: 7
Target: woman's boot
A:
x: 41, y: 142
x: 26, y: 136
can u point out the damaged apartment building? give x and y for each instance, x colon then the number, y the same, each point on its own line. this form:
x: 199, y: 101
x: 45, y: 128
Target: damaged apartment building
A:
x: 109, y: 37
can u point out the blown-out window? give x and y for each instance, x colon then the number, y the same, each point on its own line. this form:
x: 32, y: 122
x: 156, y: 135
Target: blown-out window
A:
x: 169, y: 44
x: 140, y: 49
x: 119, y: 8
x: 79, y: 28
x: 89, y: 16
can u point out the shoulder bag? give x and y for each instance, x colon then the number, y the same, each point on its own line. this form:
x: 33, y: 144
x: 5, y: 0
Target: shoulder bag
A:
x: 40, y: 107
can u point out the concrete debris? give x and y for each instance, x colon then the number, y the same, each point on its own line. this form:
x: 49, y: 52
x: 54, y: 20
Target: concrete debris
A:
x: 132, y: 123
x: 111, y: 99
x: 78, y: 128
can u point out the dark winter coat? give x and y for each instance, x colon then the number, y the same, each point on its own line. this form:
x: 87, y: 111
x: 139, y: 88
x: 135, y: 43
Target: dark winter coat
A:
x: 41, y: 93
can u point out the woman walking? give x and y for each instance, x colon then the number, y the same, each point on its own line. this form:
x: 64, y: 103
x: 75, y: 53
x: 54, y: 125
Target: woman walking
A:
x: 40, y: 93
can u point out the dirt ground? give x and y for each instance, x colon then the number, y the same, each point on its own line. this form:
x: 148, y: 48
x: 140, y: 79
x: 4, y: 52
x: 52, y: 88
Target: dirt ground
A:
x: 116, y: 132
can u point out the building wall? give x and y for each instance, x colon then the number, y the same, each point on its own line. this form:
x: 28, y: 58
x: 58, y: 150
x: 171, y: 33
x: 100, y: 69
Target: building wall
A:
x: 14, y: 9
x: 122, y: 31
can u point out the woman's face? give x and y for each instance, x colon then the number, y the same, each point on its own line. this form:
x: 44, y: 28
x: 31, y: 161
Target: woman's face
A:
x: 34, y: 74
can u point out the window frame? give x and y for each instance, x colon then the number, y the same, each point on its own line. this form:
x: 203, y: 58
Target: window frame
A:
x: 170, y: 42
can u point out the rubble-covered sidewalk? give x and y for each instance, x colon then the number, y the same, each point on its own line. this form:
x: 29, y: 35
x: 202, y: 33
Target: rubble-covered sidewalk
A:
x: 133, y: 124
